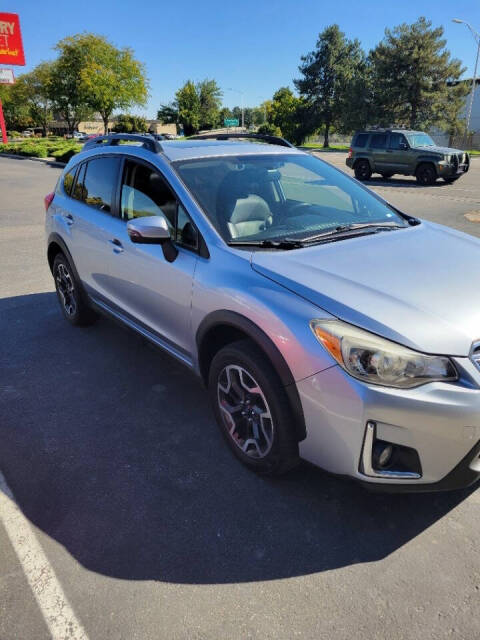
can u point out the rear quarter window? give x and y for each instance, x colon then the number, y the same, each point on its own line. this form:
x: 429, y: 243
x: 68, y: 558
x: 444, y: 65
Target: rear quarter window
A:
x: 360, y: 140
x: 65, y: 183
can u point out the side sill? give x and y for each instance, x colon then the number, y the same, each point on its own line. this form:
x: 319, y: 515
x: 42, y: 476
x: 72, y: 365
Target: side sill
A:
x: 143, y: 331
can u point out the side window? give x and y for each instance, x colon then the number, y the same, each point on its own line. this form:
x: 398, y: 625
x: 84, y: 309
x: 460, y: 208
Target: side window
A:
x: 361, y: 140
x: 185, y: 233
x: 77, y: 192
x: 67, y: 181
x: 99, y: 182
x: 145, y: 193
x: 397, y: 141
x: 379, y: 141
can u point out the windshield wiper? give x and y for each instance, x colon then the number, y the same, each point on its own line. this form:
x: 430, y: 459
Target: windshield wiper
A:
x: 342, y: 229
x: 286, y: 243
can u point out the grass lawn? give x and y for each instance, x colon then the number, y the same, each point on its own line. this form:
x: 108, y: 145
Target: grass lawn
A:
x: 318, y: 147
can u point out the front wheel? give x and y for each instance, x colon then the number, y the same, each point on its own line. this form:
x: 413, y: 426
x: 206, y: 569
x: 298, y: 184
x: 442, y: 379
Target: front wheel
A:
x: 426, y: 175
x: 451, y: 180
x: 252, y: 409
x: 362, y: 170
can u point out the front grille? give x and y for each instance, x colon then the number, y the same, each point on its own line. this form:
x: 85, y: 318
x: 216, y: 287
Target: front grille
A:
x: 475, y: 354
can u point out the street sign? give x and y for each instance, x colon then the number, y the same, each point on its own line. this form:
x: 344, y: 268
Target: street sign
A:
x: 230, y: 122
x: 6, y: 76
x: 11, y: 45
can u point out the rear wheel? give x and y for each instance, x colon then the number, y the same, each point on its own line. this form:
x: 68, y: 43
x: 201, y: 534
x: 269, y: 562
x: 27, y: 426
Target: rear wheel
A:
x: 426, y: 174
x: 252, y: 409
x: 74, y: 307
x: 362, y: 170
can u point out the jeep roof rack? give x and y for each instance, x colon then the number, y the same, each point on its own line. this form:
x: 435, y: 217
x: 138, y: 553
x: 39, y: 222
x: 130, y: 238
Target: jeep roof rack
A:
x: 113, y: 139
x: 263, y: 137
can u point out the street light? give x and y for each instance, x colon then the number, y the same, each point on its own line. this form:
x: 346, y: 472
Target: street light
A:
x: 241, y: 93
x: 476, y: 37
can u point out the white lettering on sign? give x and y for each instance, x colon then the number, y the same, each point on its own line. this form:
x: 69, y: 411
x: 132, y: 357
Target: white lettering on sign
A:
x: 6, y: 28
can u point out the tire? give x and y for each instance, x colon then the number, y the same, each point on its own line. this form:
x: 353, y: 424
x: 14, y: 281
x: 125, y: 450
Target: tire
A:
x: 386, y: 176
x: 265, y: 445
x: 426, y: 174
x: 70, y: 296
x: 451, y: 180
x: 362, y: 170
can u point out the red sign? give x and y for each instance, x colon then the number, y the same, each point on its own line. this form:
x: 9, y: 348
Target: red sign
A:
x: 11, y: 46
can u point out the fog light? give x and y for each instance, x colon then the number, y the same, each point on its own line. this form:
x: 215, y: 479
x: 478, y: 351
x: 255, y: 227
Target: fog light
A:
x: 382, y: 454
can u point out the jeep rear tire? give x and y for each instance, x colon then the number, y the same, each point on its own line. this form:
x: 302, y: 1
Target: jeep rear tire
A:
x: 362, y: 170
x: 426, y: 174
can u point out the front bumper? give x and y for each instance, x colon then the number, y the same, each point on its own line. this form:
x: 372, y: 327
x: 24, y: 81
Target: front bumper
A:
x: 440, y: 421
x: 452, y: 170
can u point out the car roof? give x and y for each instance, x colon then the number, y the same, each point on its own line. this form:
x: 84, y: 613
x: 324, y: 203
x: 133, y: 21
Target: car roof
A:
x: 192, y: 149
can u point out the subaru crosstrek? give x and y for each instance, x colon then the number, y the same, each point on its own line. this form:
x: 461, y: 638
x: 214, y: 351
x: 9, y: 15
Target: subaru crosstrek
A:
x: 326, y: 324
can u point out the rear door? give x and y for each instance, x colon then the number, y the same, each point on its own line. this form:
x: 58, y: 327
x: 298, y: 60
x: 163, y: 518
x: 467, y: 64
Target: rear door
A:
x: 380, y: 155
x: 89, y: 218
x: 143, y: 286
x: 398, y: 150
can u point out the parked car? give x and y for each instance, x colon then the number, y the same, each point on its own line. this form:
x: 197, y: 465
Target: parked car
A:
x: 409, y: 153
x: 325, y: 323
x: 28, y: 133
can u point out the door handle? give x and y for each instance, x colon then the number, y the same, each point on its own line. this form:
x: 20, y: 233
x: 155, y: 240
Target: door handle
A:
x: 117, y: 245
x: 69, y: 219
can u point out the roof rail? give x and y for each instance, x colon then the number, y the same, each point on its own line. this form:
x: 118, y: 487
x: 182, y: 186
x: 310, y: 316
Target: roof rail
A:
x: 113, y: 139
x: 254, y: 136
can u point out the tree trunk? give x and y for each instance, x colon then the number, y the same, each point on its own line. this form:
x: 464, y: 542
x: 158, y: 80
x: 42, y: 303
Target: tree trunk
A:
x: 326, y: 143
x: 105, y: 123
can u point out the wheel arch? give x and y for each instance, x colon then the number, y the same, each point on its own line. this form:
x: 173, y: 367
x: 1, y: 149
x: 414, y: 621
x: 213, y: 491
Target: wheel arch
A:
x: 363, y: 157
x: 426, y: 160
x: 224, y: 327
x: 56, y: 245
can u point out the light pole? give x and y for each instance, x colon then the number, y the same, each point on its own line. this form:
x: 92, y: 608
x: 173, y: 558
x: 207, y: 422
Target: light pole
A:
x: 241, y: 93
x: 476, y: 37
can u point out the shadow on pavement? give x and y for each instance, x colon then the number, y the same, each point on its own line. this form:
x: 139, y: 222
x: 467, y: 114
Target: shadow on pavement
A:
x: 110, y: 448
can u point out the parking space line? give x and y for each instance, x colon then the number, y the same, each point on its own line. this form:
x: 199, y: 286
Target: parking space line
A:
x: 54, y: 606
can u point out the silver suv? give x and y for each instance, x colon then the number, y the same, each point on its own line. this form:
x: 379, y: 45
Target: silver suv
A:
x: 326, y: 324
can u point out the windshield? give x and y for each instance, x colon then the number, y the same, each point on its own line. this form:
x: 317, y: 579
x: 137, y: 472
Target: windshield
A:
x: 420, y: 140
x: 275, y: 197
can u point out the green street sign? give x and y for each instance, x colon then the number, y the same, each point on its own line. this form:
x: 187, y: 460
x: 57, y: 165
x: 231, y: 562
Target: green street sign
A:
x: 230, y: 122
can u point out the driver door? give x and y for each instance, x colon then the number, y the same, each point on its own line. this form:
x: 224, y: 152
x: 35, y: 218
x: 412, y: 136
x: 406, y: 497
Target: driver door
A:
x: 154, y: 293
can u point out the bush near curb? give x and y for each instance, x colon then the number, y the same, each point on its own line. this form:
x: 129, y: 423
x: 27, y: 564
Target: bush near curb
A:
x: 61, y: 150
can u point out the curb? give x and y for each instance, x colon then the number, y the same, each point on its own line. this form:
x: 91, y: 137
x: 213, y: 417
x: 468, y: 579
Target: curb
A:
x: 50, y: 161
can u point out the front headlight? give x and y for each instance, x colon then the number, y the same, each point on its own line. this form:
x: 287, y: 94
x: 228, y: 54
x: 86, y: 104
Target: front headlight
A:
x: 378, y: 361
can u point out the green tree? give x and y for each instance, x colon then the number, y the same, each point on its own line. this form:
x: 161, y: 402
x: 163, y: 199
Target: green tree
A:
x: 286, y: 113
x: 126, y: 123
x: 34, y: 88
x: 326, y: 72
x: 113, y: 78
x: 168, y: 113
x: 68, y: 94
x: 224, y: 114
x: 15, y: 107
x: 210, y: 99
x: 413, y: 77
x: 188, y: 102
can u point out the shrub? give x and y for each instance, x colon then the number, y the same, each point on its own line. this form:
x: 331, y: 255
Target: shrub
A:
x: 64, y: 154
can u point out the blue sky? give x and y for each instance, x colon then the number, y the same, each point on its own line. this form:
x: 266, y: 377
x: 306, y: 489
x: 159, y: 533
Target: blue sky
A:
x: 251, y: 46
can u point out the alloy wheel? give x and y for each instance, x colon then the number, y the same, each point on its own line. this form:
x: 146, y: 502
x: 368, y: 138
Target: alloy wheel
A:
x: 66, y: 289
x: 245, y: 411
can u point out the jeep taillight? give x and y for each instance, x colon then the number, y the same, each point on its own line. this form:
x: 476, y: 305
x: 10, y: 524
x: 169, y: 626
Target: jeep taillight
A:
x: 350, y: 151
x: 48, y: 200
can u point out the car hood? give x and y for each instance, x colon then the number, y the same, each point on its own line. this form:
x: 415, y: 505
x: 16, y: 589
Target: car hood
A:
x: 444, y: 151
x: 417, y: 286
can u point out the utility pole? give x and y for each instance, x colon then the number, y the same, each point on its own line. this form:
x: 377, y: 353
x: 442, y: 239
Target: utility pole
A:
x: 476, y: 37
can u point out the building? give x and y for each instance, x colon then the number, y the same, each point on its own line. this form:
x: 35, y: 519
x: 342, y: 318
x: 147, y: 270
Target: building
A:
x: 95, y: 126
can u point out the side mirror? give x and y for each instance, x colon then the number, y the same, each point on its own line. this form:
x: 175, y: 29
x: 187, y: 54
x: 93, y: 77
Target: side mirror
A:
x: 153, y: 230
x: 403, y: 145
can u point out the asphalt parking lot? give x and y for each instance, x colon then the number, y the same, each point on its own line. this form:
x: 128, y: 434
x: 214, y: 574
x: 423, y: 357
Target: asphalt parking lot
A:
x: 133, y: 519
